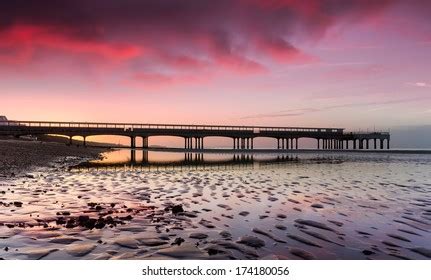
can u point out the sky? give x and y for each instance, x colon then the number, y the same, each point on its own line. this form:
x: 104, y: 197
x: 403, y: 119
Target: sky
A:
x: 358, y: 64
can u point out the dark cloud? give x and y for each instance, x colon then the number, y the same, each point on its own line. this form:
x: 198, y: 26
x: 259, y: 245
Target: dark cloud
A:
x: 236, y: 34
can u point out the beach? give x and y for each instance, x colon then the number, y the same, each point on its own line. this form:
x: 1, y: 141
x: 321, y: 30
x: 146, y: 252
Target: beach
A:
x: 345, y: 206
x: 20, y: 156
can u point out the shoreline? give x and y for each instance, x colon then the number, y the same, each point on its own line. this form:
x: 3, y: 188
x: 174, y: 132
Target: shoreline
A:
x: 18, y: 157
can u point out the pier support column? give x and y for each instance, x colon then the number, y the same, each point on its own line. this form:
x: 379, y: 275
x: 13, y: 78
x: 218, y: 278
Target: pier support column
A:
x: 144, y: 142
x: 296, y: 143
x: 354, y: 144
x: 375, y: 143
x: 282, y: 143
x: 318, y: 144
x: 361, y: 144
x: 132, y: 142
x: 70, y: 140
x: 144, y: 157
x: 387, y: 144
x: 85, y: 141
x: 133, y: 157
x: 381, y: 144
x: 367, y: 144
x: 342, y: 144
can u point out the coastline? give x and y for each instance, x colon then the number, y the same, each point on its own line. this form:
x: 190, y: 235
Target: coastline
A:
x: 18, y: 157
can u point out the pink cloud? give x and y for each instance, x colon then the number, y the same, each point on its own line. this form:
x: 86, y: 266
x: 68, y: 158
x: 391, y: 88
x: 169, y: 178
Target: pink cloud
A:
x: 24, y: 39
x: 183, y: 38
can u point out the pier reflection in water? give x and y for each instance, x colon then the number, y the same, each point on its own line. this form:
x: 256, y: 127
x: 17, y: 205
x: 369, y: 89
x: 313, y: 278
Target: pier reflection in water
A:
x: 157, y: 160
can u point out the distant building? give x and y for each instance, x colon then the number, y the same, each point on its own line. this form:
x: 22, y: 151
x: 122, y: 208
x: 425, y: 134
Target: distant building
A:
x: 3, y: 119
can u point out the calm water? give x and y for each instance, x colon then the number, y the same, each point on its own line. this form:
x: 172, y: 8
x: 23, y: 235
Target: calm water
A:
x: 176, y: 205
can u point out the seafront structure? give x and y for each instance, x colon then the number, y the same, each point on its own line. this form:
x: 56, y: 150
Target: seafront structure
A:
x: 242, y: 136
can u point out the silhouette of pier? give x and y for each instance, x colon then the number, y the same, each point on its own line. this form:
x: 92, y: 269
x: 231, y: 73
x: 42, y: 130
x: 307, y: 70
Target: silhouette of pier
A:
x: 242, y: 136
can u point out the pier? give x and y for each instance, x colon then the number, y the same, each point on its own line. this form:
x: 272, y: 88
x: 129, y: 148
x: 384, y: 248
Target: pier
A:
x: 243, y: 137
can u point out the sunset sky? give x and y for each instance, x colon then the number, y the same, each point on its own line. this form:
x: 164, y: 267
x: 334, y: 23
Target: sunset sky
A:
x: 354, y: 64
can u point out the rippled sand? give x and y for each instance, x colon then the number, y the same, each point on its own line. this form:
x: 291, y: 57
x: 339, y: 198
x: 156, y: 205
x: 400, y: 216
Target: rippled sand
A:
x: 350, y: 209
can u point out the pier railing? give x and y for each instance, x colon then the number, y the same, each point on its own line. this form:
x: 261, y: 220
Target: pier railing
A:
x: 131, y: 126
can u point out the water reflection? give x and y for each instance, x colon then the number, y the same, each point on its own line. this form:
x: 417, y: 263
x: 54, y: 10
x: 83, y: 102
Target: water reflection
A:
x: 126, y: 158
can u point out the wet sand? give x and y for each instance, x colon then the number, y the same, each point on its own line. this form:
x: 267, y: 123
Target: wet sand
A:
x: 351, y: 209
x: 20, y: 156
